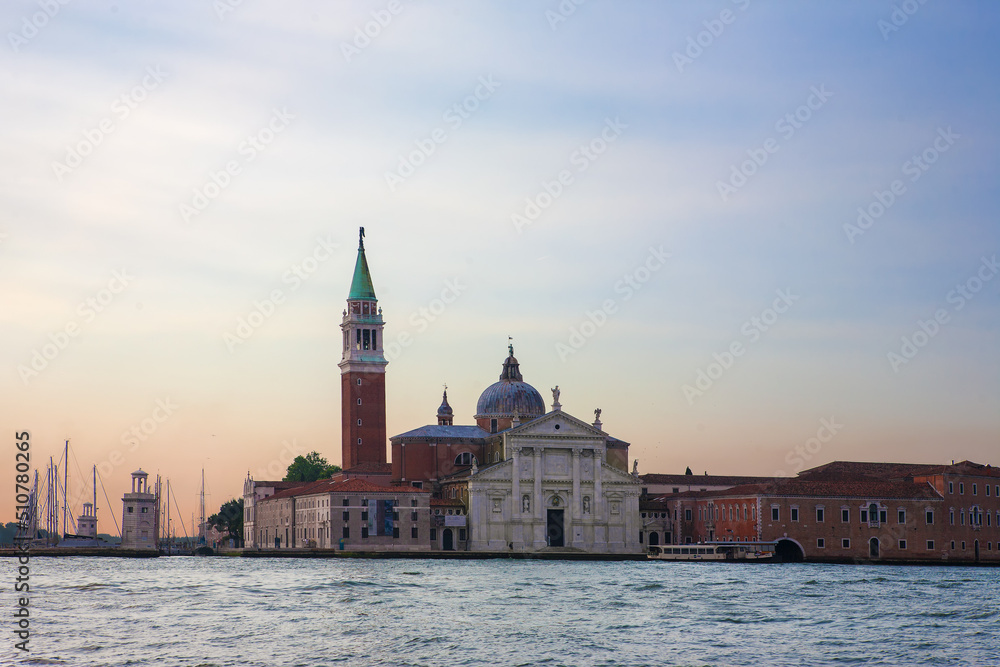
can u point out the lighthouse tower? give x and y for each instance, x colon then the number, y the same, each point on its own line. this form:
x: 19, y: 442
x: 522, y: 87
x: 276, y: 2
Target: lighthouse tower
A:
x: 362, y: 371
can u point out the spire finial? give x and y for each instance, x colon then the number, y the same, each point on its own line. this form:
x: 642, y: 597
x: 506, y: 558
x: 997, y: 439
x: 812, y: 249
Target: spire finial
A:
x: 510, y: 345
x: 361, y: 239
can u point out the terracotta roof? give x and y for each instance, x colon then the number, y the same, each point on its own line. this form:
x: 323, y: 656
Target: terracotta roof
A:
x: 345, y: 486
x: 844, y: 488
x: 705, y: 480
x: 369, y: 468
x: 854, y: 469
x: 279, y: 484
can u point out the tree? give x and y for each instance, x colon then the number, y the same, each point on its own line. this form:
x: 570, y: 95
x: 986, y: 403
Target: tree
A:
x: 229, y: 519
x: 310, y: 468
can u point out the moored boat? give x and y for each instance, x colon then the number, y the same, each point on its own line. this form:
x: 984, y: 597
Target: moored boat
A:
x: 712, y: 551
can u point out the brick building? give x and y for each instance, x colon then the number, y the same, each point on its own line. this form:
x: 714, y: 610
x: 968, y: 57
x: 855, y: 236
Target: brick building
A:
x: 845, y: 511
x: 352, y: 515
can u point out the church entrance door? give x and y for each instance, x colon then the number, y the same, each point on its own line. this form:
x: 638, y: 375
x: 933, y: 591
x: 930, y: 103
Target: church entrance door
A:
x: 448, y: 540
x: 556, y: 534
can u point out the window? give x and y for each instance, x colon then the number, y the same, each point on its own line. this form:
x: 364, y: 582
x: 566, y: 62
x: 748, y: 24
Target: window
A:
x: 144, y: 510
x: 347, y: 516
x: 961, y: 517
x: 820, y: 543
x: 346, y: 502
x: 902, y: 544
x: 929, y: 517
x: 845, y: 543
x: 794, y: 513
x: 347, y: 532
x: 845, y: 515
x: 413, y: 502
x: 951, y: 516
x: 461, y: 534
x: 900, y: 516
x: 364, y: 516
x: 687, y: 515
x: 359, y: 382
x: 359, y: 441
x: 129, y: 510
x: 864, y: 516
x: 819, y: 515
x: 464, y: 459
x: 395, y: 532
x: 953, y: 545
x: 359, y: 401
x: 775, y: 514
x: 986, y: 488
x: 364, y: 532
x: 951, y: 487
x: 434, y: 534
x: 359, y: 422
x: 974, y: 489
x: 413, y: 516
x: 961, y: 488
x: 963, y: 545
x: 413, y: 532
x: 883, y: 516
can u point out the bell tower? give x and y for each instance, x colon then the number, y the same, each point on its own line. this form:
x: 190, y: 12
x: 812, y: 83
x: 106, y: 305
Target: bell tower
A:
x: 362, y: 371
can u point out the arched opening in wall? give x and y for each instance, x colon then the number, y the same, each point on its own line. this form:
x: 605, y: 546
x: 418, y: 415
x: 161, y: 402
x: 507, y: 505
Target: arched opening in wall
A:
x: 654, y: 539
x: 787, y: 551
x: 977, y: 550
x: 448, y: 540
x: 873, y: 548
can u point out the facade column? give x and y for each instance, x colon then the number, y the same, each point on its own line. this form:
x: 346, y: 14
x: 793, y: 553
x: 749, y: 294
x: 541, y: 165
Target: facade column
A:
x: 515, y: 476
x: 597, y: 507
x: 538, y: 485
x: 577, y: 501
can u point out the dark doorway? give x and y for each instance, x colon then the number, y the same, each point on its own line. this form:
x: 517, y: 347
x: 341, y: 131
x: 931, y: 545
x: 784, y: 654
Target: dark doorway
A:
x: 787, y: 551
x: 555, y: 528
x: 977, y: 550
x: 447, y: 540
x: 654, y: 539
x: 873, y: 547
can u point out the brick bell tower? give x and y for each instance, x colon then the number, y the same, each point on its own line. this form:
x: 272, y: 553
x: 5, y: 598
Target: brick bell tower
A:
x: 362, y: 371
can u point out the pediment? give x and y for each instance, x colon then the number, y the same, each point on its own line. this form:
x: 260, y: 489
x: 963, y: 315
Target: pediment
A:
x: 557, y: 423
x: 493, y: 473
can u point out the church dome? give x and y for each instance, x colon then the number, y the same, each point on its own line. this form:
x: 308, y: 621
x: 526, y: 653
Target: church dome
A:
x: 511, y: 396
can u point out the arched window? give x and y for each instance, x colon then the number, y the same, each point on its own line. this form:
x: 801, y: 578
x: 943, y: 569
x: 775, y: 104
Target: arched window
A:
x: 465, y: 459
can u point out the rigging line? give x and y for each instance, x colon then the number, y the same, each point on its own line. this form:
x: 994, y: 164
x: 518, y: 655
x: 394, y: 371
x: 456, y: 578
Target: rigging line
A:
x: 101, y: 479
x: 180, y: 517
x: 72, y: 512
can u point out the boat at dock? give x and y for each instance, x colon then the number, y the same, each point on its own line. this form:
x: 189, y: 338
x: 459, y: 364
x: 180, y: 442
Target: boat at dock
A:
x: 713, y: 551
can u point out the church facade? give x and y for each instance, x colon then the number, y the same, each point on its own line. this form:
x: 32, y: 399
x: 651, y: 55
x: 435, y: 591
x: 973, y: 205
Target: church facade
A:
x: 521, y: 478
x: 531, y: 480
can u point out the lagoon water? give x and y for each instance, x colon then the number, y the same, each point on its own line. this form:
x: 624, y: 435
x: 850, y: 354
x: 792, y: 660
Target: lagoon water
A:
x: 284, y: 612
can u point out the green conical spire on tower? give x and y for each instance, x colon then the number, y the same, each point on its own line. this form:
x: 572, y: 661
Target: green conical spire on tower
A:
x: 361, y: 284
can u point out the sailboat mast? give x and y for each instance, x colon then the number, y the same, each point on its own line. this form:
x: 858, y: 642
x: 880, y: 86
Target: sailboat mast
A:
x: 95, y: 501
x: 65, y: 485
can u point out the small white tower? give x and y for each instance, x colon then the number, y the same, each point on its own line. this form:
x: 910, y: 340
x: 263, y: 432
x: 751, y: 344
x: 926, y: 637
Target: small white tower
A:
x: 139, y: 520
x: 86, y: 523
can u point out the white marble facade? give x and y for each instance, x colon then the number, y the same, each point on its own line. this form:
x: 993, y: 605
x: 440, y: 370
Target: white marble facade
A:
x: 554, y: 488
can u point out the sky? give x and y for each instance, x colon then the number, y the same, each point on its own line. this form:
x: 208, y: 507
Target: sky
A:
x: 759, y: 236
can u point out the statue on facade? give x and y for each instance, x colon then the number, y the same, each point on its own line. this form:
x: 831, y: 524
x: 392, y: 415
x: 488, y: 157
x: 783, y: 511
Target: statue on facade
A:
x: 556, y: 405
x: 525, y: 503
x: 586, y: 504
x: 597, y: 415
x: 635, y: 468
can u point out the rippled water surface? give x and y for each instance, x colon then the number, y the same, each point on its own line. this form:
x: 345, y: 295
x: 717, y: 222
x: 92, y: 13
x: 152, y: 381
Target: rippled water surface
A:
x: 271, y: 612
